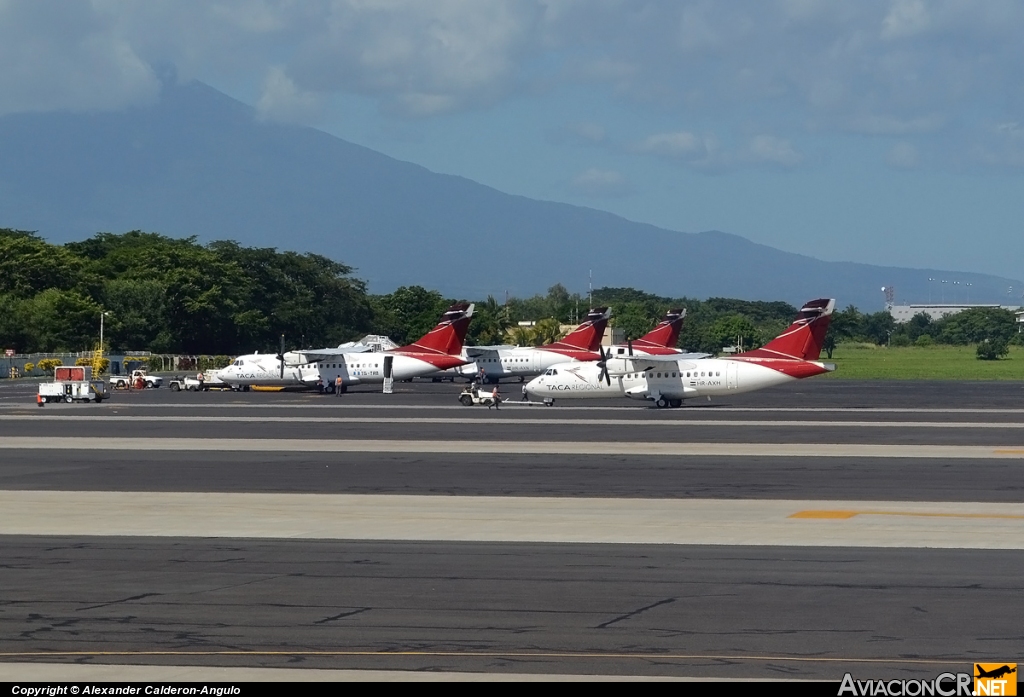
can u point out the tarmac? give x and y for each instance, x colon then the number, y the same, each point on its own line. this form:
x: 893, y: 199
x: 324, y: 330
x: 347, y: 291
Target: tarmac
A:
x: 795, y: 533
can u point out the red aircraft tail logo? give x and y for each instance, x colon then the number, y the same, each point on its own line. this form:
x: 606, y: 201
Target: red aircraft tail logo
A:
x: 447, y: 337
x: 804, y: 338
x: 587, y: 336
x: 666, y: 334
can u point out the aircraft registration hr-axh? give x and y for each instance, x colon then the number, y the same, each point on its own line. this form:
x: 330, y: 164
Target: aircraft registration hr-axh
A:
x: 668, y: 380
x: 438, y: 349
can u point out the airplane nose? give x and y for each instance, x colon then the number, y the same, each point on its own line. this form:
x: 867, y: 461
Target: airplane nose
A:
x: 533, y: 386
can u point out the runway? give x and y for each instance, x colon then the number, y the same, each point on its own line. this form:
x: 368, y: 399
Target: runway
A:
x: 793, y: 533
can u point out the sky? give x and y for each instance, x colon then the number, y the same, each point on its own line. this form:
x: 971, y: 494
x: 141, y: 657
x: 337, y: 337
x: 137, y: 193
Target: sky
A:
x: 881, y: 131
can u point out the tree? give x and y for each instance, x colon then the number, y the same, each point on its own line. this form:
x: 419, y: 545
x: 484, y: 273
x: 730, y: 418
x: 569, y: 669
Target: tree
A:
x: 992, y: 349
x: 490, y: 322
x: 734, y: 330
x: 634, y: 319
x: 408, y: 313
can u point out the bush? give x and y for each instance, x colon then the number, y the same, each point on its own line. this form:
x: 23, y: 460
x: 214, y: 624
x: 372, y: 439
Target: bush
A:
x: 48, y: 364
x: 924, y: 340
x: 900, y: 340
x: 29, y: 367
x: 992, y: 349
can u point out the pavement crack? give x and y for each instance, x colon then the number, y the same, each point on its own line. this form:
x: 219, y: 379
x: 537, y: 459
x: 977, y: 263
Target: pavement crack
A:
x: 116, y: 602
x: 634, y: 613
x: 349, y: 613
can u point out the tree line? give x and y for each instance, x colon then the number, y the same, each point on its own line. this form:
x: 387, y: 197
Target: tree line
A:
x: 170, y: 295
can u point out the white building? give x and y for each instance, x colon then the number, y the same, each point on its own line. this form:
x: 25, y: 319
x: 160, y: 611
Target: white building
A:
x: 904, y: 313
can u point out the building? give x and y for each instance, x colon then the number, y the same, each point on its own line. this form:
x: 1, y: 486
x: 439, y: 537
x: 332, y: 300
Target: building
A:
x: 904, y: 313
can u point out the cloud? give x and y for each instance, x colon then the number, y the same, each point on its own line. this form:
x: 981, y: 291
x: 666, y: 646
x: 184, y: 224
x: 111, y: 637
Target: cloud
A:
x: 282, y: 100
x: 68, y: 58
x: 905, y: 18
x: 600, y: 183
x: 884, y: 68
x: 706, y: 154
x: 765, y: 149
x: 678, y: 145
x: 903, y: 155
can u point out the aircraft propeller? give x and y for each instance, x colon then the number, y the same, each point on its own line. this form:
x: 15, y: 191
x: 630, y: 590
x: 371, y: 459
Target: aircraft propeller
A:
x: 603, y: 364
x: 280, y: 356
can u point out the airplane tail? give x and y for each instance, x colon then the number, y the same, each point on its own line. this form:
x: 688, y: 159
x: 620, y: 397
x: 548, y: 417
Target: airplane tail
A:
x: 666, y: 334
x: 447, y: 336
x: 587, y: 336
x: 804, y: 338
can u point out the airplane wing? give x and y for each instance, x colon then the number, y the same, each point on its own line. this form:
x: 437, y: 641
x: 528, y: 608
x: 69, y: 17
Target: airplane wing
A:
x: 472, y: 351
x: 638, y: 364
x: 324, y: 354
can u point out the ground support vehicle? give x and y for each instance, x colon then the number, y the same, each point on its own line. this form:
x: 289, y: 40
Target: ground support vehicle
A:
x: 138, y: 379
x: 178, y: 383
x: 472, y: 396
x: 72, y: 384
x: 190, y: 384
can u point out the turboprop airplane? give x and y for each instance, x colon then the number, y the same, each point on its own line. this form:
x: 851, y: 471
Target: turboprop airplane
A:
x: 668, y: 380
x: 492, y: 363
x: 583, y: 344
x: 439, y: 348
x: 284, y: 369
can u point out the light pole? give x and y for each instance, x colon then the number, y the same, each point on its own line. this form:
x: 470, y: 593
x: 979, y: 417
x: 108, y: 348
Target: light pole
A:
x: 955, y: 283
x: 930, y: 290
x: 968, y: 287
x: 102, y: 315
x: 942, y: 284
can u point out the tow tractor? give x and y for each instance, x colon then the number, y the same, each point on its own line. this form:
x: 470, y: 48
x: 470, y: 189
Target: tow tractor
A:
x: 72, y: 383
x: 472, y: 395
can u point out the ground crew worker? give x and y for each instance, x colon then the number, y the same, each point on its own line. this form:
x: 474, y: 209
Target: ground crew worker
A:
x: 525, y: 397
x: 337, y: 385
x: 495, y: 397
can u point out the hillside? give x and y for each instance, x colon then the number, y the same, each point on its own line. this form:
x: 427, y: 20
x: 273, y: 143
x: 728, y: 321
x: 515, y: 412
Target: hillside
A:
x: 200, y: 163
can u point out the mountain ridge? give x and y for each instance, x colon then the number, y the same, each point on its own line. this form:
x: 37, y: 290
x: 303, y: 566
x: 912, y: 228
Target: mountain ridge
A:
x: 200, y: 163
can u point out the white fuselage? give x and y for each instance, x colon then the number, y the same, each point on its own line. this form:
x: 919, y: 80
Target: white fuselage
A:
x: 354, y: 369
x: 527, y: 361
x: 676, y: 380
x: 264, y: 370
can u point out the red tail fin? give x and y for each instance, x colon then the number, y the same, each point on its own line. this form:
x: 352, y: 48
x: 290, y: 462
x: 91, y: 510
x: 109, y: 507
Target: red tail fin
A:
x: 587, y: 336
x: 447, y: 336
x: 666, y: 334
x: 804, y: 338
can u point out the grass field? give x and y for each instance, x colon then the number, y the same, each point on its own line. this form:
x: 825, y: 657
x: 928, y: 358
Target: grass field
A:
x: 867, y: 362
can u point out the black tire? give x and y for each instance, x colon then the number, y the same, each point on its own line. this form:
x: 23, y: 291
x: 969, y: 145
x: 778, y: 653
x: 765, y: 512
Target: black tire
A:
x: 466, y: 400
x: 675, y: 403
x: 69, y: 399
x: 175, y: 387
x: 245, y: 388
x: 661, y: 403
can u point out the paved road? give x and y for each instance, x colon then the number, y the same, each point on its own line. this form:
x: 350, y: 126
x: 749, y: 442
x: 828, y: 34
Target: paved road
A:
x: 638, y: 609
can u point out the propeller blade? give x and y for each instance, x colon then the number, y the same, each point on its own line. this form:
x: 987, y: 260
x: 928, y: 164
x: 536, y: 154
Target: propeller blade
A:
x: 629, y: 345
x: 603, y: 364
x: 280, y: 356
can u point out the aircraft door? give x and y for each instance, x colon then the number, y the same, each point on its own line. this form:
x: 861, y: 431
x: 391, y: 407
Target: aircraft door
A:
x: 389, y: 380
x: 535, y: 362
x: 731, y: 375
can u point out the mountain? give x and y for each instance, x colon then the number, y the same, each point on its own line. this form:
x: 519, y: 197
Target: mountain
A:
x: 200, y: 163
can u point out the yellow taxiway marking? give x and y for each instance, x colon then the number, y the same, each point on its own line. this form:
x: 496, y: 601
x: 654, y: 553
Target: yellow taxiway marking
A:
x: 1010, y: 451
x: 844, y: 515
x: 486, y: 654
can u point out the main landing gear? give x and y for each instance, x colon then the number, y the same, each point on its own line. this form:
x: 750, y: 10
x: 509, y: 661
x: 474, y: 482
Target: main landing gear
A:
x: 674, y: 403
